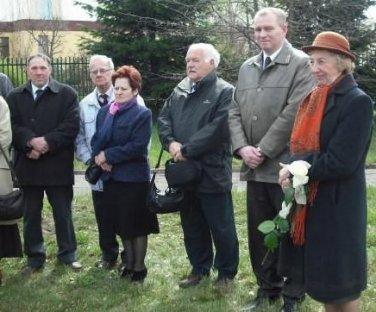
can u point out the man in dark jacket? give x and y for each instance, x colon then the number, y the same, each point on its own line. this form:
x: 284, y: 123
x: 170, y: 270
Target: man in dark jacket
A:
x: 45, y: 122
x: 193, y: 125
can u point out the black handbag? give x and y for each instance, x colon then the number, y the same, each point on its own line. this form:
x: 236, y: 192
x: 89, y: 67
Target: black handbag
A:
x: 12, y: 204
x: 183, y: 173
x: 169, y: 201
x: 93, y: 172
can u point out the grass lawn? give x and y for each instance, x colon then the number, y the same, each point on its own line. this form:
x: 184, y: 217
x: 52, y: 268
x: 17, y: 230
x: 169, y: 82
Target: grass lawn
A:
x: 57, y: 288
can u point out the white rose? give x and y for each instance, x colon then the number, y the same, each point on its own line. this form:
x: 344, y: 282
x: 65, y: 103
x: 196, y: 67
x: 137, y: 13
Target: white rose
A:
x: 298, y: 180
x: 300, y: 195
x: 284, y: 212
x: 299, y: 167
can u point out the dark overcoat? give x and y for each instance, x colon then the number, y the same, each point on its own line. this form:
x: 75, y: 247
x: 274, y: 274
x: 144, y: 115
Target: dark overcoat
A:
x: 55, y: 116
x: 335, y: 264
x: 199, y: 121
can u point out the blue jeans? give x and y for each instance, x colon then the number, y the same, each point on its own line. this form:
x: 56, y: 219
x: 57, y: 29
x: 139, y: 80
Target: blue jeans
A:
x: 208, y: 218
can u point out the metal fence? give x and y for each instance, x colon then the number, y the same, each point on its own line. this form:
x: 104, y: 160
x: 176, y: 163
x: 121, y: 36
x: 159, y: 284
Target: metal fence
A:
x: 73, y: 71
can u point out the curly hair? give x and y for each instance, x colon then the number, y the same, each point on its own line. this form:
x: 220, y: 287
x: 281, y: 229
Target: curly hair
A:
x: 131, y: 73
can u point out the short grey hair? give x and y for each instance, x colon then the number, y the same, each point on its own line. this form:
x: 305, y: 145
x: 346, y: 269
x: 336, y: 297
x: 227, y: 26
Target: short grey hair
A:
x: 279, y: 13
x: 104, y: 58
x: 344, y: 64
x: 210, y: 52
x: 44, y: 57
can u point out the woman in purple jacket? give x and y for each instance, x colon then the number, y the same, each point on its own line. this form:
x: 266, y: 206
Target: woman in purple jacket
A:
x: 120, y: 147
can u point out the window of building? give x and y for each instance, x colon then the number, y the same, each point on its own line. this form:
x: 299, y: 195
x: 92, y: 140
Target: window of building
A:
x: 4, y: 46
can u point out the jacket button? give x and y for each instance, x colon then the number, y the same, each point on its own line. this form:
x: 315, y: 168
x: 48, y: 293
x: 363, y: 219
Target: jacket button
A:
x: 254, y: 117
x: 259, y: 89
x: 32, y: 120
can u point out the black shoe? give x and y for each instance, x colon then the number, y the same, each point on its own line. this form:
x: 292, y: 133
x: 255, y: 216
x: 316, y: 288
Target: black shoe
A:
x: 191, y: 280
x: 291, y: 304
x: 105, y: 265
x: 260, y: 303
x: 139, y: 276
x: 29, y: 270
x: 126, y: 273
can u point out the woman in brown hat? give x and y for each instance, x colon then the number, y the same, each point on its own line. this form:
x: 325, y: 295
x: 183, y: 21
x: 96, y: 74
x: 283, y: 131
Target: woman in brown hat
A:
x: 332, y: 132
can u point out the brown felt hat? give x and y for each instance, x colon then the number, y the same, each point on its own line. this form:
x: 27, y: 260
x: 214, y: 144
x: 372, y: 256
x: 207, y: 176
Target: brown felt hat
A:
x: 331, y: 41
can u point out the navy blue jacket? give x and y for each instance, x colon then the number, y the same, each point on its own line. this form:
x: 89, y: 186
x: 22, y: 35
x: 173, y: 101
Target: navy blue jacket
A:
x: 127, y: 150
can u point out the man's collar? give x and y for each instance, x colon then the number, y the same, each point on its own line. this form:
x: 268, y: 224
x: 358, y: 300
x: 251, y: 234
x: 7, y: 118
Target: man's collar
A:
x: 186, y: 83
x: 109, y: 92
x: 273, y: 55
x: 34, y: 88
x: 283, y: 56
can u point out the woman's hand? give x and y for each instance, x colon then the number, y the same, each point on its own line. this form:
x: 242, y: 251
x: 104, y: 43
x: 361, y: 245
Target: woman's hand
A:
x: 100, y: 159
x: 106, y: 167
x: 284, y: 176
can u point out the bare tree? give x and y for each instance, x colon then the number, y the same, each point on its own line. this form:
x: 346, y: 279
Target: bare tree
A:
x: 47, y: 34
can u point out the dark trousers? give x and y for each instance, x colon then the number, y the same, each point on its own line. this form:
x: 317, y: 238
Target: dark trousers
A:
x: 263, y: 203
x: 60, y: 199
x: 208, y: 218
x: 106, y: 228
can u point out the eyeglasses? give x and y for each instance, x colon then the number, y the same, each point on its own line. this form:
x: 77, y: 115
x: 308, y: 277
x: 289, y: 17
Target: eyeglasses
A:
x: 99, y: 71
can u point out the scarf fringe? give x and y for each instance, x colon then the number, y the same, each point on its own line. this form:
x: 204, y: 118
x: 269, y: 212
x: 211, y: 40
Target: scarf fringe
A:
x: 299, y: 222
x: 299, y: 219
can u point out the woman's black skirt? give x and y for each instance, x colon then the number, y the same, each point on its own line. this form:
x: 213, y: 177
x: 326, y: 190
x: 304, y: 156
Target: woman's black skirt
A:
x: 126, y: 205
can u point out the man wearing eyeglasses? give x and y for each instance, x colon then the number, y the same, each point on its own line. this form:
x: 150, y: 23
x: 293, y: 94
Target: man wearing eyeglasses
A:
x: 101, y: 69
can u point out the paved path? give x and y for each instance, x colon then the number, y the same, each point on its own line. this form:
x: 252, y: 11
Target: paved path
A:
x: 82, y: 187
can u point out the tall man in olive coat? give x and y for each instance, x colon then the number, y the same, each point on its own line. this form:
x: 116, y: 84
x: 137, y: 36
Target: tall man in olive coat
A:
x: 193, y: 124
x: 45, y: 122
x: 270, y: 87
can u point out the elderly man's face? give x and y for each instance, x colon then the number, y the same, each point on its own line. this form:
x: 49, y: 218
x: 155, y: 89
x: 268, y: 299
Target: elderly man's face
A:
x: 100, y: 73
x: 197, y: 66
x: 269, y: 34
x: 38, y: 71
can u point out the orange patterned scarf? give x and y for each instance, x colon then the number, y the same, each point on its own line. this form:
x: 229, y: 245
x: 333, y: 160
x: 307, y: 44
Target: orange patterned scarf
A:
x: 305, y: 138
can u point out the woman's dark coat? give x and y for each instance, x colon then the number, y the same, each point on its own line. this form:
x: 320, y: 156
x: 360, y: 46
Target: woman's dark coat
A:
x: 54, y: 116
x: 335, y: 264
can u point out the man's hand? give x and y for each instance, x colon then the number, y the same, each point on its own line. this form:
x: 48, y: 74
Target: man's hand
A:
x: 174, y: 148
x: 179, y: 157
x: 39, y: 144
x: 175, y: 151
x: 100, y: 158
x: 252, y: 156
x: 33, y: 154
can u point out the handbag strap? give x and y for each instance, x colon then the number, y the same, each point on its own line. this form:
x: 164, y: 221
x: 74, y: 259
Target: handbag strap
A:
x: 157, y: 166
x: 9, y: 165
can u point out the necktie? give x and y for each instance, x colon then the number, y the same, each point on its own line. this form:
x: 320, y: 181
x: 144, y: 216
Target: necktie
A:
x: 38, y: 94
x: 194, y: 88
x: 267, y: 62
x: 103, y: 99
